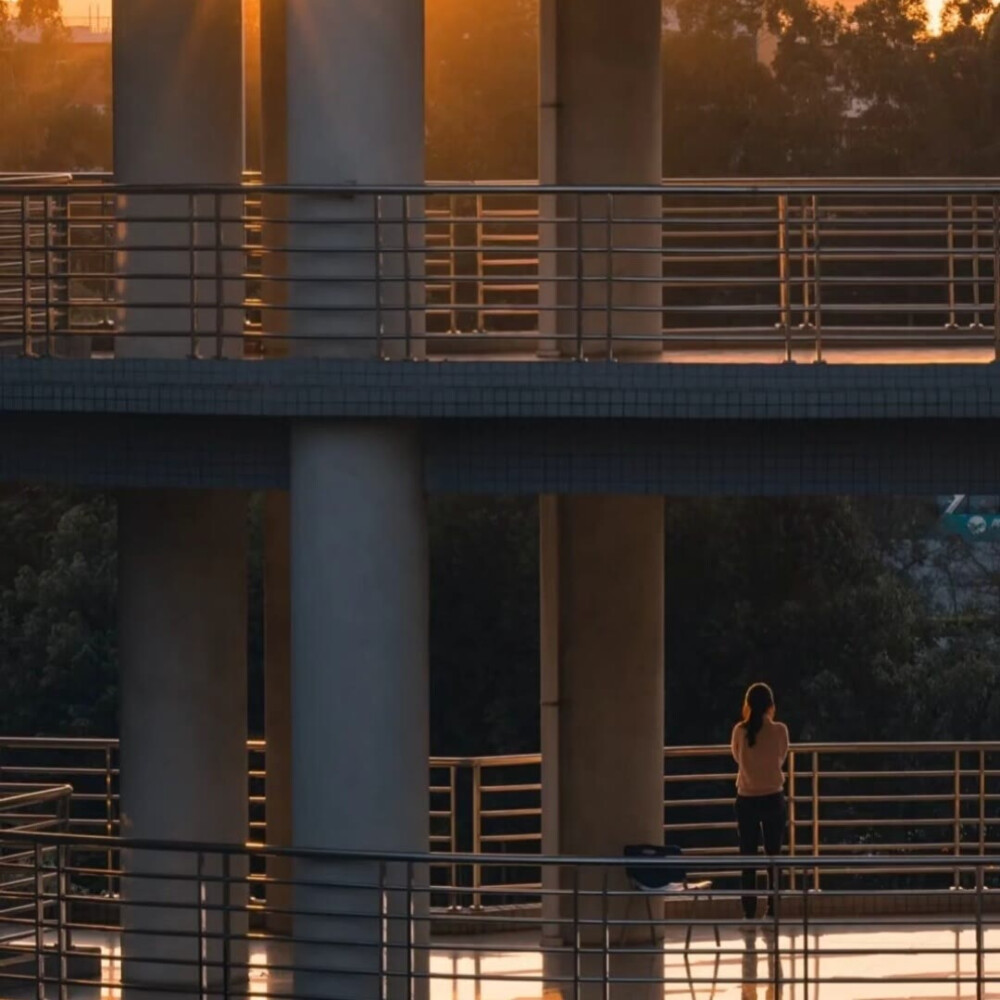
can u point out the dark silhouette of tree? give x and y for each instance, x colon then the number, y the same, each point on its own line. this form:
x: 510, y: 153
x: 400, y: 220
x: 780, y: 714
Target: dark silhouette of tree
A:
x: 54, y: 94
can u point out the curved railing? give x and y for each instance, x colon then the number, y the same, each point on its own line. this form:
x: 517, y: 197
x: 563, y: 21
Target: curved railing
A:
x: 26, y: 869
x: 863, y: 799
x: 364, y: 924
x: 786, y: 268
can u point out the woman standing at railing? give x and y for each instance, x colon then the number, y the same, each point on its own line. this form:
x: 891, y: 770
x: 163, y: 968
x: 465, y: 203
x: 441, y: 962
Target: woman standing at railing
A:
x: 760, y: 746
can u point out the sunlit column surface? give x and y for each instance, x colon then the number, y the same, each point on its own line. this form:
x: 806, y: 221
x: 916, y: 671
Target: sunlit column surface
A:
x: 182, y: 637
x: 602, y: 592
x: 178, y: 120
x: 601, y: 557
x: 359, y: 705
x: 344, y: 105
x: 600, y: 124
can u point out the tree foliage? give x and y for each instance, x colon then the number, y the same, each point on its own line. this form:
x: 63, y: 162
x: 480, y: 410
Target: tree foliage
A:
x: 868, y: 624
x: 58, y: 655
x: 54, y: 95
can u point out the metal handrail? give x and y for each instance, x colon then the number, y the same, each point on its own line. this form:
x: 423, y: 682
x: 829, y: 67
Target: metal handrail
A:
x: 104, y: 183
x: 692, y: 861
x: 943, y: 800
x: 795, y: 267
x: 371, y: 916
x: 13, y: 796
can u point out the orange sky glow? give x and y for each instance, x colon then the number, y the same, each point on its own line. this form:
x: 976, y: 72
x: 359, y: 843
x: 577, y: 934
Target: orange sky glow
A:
x: 79, y: 11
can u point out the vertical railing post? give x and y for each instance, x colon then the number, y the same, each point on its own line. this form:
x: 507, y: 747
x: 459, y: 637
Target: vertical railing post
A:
x: 956, y: 829
x: 193, y: 317
x: 201, y: 932
x: 226, y: 926
x: 61, y: 298
x: 606, y: 940
x: 609, y: 278
x: 996, y: 278
x: 576, y: 932
x: 580, y: 351
x: 957, y: 815
x: 220, y: 282
x: 776, y: 923
x: 383, y: 936
x: 62, y: 813
x: 791, y: 816
x: 950, y: 218
x: 980, y: 938
x: 108, y: 212
x: 976, y: 264
x: 817, y: 278
x: 807, y: 317
x: 377, y: 223
x: 450, y: 256
x: 805, y: 938
x: 109, y: 819
x: 479, y: 207
x: 47, y: 271
x: 477, y: 833
x: 407, y: 277
x: 548, y: 270
x: 410, y: 935
x: 784, y: 276
x: 982, y: 803
x: 453, y: 830
x: 27, y: 347
x: 40, y: 990
x: 62, y: 928
x: 815, y: 817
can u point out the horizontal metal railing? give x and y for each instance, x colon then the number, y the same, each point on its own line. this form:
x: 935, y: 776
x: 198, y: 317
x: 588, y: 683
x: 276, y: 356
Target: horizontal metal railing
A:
x: 26, y: 810
x: 358, y: 924
x: 793, y: 267
x: 867, y: 800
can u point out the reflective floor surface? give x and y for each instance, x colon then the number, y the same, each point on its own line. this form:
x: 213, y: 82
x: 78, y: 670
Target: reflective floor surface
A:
x: 774, y: 355
x: 881, y: 961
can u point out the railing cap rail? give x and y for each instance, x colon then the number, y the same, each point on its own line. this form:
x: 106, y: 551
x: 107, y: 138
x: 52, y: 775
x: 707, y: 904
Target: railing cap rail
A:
x: 933, y: 746
x: 949, y: 862
x: 95, y: 184
x: 29, y: 795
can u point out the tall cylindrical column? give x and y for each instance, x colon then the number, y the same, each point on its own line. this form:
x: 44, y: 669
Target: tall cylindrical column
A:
x: 359, y: 703
x: 602, y: 557
x: 602, y: 591
x: 178, y: 95
x: 182, y: 639
x: 601, y: 124
x: 347, y: 112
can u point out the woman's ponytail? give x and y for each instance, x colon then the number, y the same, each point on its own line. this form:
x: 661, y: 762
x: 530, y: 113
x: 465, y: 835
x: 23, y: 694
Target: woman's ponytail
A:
x: 758, y: 701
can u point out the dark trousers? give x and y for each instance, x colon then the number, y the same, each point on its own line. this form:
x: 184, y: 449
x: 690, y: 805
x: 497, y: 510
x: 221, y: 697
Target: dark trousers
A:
x: 757, y: 816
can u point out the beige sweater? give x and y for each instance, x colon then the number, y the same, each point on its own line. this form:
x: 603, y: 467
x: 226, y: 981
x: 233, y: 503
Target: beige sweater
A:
x: 760, y: 765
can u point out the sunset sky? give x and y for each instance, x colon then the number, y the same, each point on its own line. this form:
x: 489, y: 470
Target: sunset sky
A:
x: 77, y: 10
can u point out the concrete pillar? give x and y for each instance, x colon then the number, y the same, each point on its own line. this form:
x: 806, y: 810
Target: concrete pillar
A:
x: 347, y: 112
x: 278, y: 704
x: 601, y: 124
x: 602, y: 592
x: 359, y: 704
x: 182, y: 640
x: 178, y: 96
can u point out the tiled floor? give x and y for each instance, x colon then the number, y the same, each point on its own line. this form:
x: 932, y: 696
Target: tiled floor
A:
x: 774, y: 355
x: 878, y: 962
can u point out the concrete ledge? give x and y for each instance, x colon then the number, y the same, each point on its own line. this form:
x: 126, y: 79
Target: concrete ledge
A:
x: 448, y: 390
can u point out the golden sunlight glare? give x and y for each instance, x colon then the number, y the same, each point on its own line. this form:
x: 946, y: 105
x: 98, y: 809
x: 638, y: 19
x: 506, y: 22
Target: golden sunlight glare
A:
x: 934, y: 10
